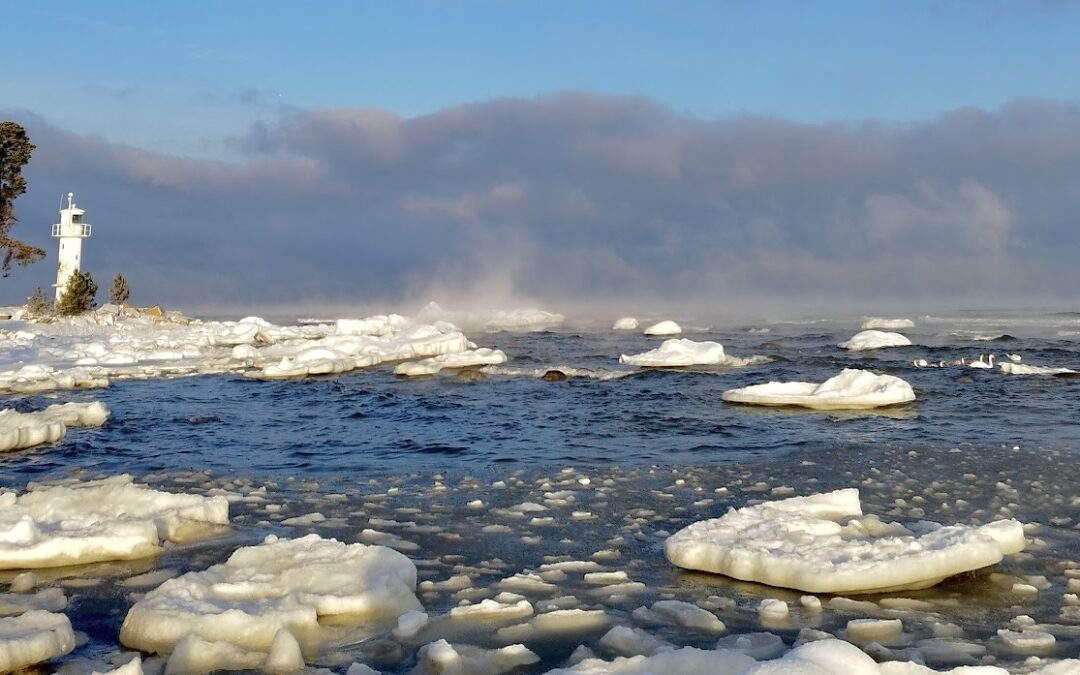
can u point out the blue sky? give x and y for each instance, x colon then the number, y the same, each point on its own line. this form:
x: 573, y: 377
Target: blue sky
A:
x: 252, y: 154
x: 180, y: 77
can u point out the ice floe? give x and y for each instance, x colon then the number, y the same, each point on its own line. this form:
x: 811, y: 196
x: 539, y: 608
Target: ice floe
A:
x: 111, y: 519
x: 852, y: 389
x: 281, y: 584
x: 682, y: 352
x: 662, y: 328
x: 883, y: 323
x: 824, y: 544
x: 430, y: 366
x: 32, y: 638
x: 25, y: 430
x: 874, y: 339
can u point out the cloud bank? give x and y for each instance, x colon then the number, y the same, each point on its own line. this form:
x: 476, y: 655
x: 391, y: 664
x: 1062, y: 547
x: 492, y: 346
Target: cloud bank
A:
x: 579, y: 196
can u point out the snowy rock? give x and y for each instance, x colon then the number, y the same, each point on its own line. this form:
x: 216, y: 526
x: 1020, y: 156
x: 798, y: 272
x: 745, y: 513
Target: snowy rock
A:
x: 32, y: 638
x: 852, y: 389
x: 111, y: 519
x: 874, y: 339
x: 664, y: 328
x: 625, y: 323
x: 280, y: 584
x: 824, y: 544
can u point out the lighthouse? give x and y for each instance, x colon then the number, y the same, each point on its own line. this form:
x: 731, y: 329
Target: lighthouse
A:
x: 71, y: 230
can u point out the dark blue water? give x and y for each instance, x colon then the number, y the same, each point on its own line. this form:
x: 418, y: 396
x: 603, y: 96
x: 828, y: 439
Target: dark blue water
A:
x: 371, y: 421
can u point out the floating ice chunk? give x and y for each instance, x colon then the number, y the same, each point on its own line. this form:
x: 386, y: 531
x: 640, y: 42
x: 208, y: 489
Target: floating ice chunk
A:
x: 687, y: 615
x: 682, y: 352
x: 409, y: 624
x: 50, y: 599
x: 757, y: 645
x: 259, y: 590
x: 801, y: 543
x: 26, y: 430
x: 1027, y: 641
x: 852, y: 389
x: 874, y: 339
x: 625, y: 323
x: 443, y: 658
x: 132, y: 667
x: 32, y: 638
x: 664, y: 328
x: 430, y: 366
x: 195, y: 654
x: 882, y: 323
x: 111, y: 519
x: 492, y: 610
x: 630, y: 641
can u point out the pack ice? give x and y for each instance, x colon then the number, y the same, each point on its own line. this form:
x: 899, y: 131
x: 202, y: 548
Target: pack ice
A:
x: 824, y: 544
x: 110, y: 519
x: 852, y: 389
x: 279, y: 585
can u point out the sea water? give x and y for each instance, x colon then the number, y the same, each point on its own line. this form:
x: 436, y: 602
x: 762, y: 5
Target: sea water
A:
x: 631, y: 457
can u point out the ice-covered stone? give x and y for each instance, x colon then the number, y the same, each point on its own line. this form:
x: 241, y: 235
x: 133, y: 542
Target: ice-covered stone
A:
x: 625, y: 323
x: 824, y: 544
x: 852, y: 389
x: 280, y: 584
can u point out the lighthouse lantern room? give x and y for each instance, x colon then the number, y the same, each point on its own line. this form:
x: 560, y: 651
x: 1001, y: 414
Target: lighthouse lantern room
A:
x: 71, y: 230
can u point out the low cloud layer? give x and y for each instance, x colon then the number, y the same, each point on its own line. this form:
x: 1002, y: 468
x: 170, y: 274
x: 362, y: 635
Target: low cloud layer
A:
x: 583, y: 197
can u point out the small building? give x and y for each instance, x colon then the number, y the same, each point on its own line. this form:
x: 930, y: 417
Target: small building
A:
x: 71, y: 230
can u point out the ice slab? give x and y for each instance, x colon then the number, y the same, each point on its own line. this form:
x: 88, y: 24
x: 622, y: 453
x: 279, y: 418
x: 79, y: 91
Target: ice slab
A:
x: 678, y: 352
x: 430, y: 366
x: 823, y: 544
x: 111, y: 519
x: 32, y: 638
x: 26, y: 430
x: 664, y: 328
x: 874, y: 339
x: 280, y: 584
x: 883, y: 323
x: 852, y: 389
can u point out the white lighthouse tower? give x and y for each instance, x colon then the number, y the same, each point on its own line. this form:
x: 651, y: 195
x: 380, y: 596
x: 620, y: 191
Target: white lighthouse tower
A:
x: 71, y: 230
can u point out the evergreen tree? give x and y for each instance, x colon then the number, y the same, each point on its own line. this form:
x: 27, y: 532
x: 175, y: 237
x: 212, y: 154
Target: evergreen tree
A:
x: 37, y: 304
x: 15, y: 149
x: 79, y: 296
x: 119, y: 292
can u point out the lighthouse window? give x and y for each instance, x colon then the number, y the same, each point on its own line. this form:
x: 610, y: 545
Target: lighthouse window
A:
x: 76, y: 217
